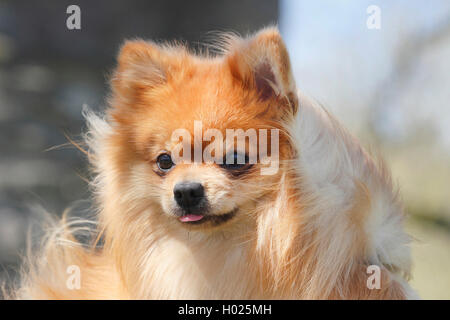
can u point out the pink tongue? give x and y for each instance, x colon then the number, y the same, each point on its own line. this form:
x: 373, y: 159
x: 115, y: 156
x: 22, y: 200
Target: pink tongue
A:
x: 191, y: 217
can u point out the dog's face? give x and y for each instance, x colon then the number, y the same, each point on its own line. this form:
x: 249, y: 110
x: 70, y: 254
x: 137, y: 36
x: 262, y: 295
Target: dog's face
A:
x: 203, y: 178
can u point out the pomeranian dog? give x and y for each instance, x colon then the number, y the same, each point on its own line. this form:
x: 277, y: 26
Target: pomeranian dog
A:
x: 312, y: 216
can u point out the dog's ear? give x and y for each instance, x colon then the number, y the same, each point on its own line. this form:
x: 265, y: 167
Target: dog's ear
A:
x: 262, y: 63
x: 141, y: 65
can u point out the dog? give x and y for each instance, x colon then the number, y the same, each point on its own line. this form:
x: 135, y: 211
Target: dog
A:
x: 325, y: 223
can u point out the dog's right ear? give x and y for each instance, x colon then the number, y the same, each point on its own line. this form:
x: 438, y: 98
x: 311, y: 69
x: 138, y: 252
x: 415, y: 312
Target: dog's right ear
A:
x: 141, y: 66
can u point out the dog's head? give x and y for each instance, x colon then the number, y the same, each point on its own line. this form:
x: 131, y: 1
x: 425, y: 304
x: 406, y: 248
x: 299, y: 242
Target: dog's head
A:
x: 201, y: 140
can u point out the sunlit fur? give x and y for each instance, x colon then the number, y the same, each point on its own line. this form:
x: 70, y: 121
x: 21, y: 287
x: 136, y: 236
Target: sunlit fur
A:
x: 307, y: 232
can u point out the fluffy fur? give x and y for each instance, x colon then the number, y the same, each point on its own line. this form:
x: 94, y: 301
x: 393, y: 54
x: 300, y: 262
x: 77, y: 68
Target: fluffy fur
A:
x: 307, y: 232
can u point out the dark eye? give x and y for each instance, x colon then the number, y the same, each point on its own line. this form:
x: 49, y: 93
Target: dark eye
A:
x: 164, y: 162
x: 234, y: 165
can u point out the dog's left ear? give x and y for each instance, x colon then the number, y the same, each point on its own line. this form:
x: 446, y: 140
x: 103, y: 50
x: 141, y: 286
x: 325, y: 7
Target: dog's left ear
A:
x: 262, y: 63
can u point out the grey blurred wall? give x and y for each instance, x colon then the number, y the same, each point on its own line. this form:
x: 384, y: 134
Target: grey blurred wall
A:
x: 48, y: 72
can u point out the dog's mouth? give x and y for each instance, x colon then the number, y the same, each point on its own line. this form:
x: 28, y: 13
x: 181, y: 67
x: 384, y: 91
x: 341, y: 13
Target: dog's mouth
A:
x: 196, y: 219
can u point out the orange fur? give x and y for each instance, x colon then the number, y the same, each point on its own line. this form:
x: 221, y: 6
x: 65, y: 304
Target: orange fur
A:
x: 284, y: 242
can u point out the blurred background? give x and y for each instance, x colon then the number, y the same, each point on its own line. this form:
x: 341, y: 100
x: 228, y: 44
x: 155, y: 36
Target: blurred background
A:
x: 389, y: 84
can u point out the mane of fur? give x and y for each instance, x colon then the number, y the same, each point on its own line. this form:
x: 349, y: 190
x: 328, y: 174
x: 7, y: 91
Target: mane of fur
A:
x: 332, y: 218
x: 335, y: 213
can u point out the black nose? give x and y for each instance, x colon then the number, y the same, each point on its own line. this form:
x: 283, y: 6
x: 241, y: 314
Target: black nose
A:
x: 188, y: 194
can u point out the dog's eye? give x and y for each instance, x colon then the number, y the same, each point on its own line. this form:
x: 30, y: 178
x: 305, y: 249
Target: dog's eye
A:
x: 234, y: 165
x: 164, y: 162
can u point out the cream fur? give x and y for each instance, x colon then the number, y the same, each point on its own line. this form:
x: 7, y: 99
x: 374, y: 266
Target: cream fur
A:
x: 335, y: 212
